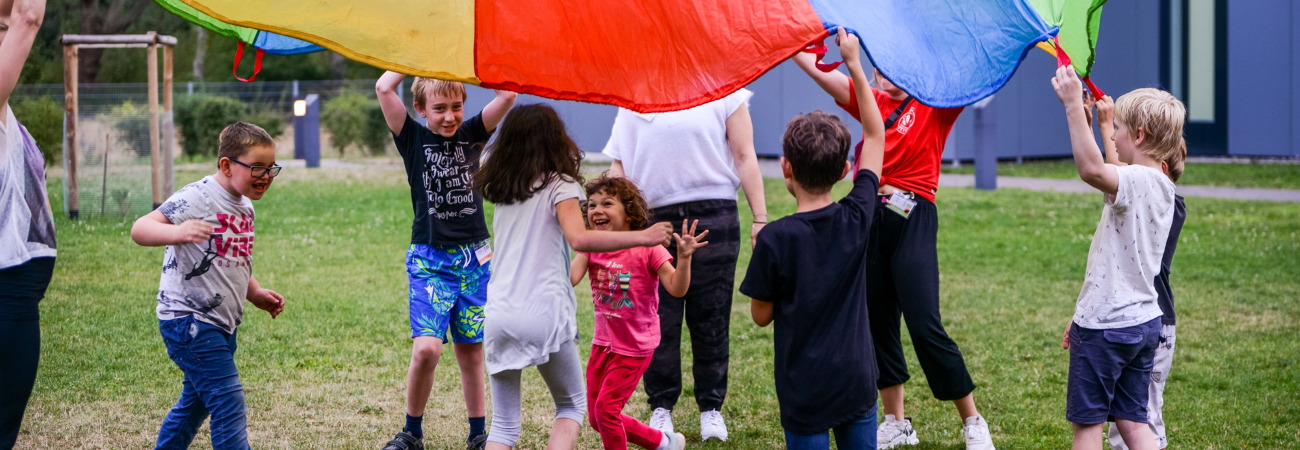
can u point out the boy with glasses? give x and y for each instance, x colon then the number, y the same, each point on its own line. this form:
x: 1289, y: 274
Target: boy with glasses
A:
x: 207, y: 227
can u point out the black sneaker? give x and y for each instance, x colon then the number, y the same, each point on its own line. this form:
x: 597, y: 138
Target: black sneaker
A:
x: 405, y: 441
x: 478, y: 443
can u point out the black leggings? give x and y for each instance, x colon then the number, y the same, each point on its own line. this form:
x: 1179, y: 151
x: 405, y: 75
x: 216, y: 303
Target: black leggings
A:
x: 903, y: 279
x: 706, y: 307
x: 21, y: 290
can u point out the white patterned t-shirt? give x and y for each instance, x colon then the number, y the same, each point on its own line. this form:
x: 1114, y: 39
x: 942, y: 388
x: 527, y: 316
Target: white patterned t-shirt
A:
x: 208, y: 280
x: 1126, y: 250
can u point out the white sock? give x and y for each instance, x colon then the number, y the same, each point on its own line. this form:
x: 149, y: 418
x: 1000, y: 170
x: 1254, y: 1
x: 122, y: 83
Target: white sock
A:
x: 665, y: 443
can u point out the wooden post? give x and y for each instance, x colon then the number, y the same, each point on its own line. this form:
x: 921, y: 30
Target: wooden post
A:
x: 70, y: 125
x: 169, y: 128
x: 154, y: 153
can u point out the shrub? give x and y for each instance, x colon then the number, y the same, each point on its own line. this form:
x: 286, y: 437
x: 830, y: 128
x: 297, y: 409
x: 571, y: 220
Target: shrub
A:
x: 354, y: 119
x: 132, y: 124
x: 271, y: 121
x: 200, y: 119
x: 44, y: 120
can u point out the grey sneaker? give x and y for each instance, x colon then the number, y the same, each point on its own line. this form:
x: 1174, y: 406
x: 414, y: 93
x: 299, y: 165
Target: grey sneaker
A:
x: 676, y: 441
x: 976, y: 432
x: 662, y: 419
x: 478, y: 443
x: 712, y: 426
x: 893, y: 433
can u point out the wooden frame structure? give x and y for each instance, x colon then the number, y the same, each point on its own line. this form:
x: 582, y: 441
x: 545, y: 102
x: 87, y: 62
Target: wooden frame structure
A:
x: 150, y: 41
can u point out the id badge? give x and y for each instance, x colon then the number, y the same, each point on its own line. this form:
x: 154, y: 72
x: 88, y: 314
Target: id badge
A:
x: 483, y: 253
x: 900, y: 204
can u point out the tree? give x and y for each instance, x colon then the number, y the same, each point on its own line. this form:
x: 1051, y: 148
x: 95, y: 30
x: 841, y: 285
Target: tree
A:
x: 98, y: 18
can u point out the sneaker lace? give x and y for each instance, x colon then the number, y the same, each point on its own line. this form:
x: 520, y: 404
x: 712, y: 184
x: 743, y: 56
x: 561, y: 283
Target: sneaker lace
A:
x: 890, y: 431
x: 977, y: 433
x: 713, y: 419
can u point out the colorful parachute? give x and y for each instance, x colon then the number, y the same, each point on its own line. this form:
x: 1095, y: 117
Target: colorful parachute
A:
x: 657, y: 55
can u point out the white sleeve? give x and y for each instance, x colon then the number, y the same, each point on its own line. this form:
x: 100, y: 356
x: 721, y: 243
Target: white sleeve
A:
x: 185, y: 204
x: 737, y: 100
x: 1125, y: 187
x: 564, y: 189
x: 621, y: 136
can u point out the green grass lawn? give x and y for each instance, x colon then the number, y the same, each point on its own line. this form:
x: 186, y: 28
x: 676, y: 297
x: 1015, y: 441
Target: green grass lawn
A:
x: 329, y: 373
x: 1276, y: 176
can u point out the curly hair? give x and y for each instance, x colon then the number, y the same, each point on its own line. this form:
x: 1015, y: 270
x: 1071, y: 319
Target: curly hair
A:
x: 532, y: 149
x: 623, y: 189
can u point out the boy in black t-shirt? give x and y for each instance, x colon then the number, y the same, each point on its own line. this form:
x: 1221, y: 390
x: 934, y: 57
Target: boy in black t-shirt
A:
x: 808, y: 274
x: 447, y: 263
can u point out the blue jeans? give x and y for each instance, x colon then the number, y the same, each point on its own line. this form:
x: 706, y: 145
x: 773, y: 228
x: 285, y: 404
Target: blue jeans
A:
x: 206, y: 355
x: 856, y: 434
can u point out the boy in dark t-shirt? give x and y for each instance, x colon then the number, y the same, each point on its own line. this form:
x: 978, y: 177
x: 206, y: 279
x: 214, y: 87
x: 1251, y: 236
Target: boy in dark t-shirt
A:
x: 808, y: 275
x: 447, y: 263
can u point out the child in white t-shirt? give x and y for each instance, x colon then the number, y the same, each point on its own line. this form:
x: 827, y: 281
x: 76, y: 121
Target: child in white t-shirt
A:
x: 1116, y: 326
x: 531, y: 174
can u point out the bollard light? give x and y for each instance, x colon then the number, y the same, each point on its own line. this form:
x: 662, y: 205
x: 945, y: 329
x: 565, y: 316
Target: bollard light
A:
x: 299, y: 108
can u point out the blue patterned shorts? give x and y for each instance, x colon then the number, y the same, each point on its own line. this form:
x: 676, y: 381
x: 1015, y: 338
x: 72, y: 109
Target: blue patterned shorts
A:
x: 448, y: 290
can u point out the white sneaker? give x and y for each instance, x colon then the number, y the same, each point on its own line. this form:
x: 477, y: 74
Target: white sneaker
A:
x: 662, y: 419
x: 977, y: 435
x: 893, y: 433
x: 674, y: 441
x: 712, y: 426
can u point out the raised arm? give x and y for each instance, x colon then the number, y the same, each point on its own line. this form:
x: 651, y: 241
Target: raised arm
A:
x: 872, y: 155
x: 1106, y: 122
x: 1092, y: 169
x: 23, y: 19
x: 496, y: 109
x: 833, y: 82
x: 155, y: 230
x: 389, y: 102
x: 578, y: 268
x: 597, y: 241
x: 740, y: 136
x: 677, y: 280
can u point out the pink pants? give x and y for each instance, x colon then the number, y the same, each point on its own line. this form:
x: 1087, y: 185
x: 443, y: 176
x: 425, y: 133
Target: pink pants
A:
x: 611, y: 380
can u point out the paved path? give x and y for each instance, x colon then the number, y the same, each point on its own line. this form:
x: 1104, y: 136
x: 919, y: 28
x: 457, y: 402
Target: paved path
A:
x: 771, y: 168
x: 1048, y: 184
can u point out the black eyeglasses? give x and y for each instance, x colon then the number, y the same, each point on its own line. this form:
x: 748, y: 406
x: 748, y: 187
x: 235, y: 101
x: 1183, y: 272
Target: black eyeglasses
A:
x: 260, y: 171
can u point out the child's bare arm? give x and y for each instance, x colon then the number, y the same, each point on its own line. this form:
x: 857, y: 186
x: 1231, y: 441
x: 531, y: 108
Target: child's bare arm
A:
x: 264, y: 299
x: 578, y: 268
x: 677, y: 280
x: 1106, y: 121
x: 597, y: 241
x: 389, y: 102
x: 496, y: 109
x: 155, y: 230
x: 833, y: 82
x: 761, y: 311
x: 1092, y: 169
x: 872, y: 155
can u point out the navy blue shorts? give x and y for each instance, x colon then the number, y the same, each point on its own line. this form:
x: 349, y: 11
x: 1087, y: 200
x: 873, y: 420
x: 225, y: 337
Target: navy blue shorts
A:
x: 1109, y: 373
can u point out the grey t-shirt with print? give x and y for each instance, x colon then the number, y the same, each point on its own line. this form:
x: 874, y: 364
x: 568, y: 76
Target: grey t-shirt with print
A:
x: 208, y: 280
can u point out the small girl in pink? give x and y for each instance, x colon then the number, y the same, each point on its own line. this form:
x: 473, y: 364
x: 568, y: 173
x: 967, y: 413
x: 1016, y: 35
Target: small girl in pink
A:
x: 625, y: 292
